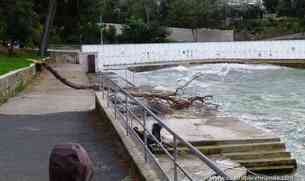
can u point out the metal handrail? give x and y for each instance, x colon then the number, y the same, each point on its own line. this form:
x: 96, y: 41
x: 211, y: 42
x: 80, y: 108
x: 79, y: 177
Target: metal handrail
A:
x: 176, y: 137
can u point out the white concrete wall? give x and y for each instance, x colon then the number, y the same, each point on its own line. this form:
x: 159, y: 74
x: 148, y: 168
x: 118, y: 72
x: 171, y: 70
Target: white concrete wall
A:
x: 154, y: 53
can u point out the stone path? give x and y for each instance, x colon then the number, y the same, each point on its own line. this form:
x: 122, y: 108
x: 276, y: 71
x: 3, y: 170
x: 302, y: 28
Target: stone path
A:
x: 48, y: 113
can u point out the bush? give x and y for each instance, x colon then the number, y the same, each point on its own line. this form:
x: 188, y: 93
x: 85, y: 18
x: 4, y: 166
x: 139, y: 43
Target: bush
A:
x: 110, y: 35
x: 137, y: 31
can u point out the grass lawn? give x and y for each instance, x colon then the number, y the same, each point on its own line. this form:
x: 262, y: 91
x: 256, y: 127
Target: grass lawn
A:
x: 8, y: 64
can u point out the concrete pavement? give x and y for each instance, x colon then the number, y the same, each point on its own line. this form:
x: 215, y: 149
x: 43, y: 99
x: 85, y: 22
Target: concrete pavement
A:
x: 48, y: 113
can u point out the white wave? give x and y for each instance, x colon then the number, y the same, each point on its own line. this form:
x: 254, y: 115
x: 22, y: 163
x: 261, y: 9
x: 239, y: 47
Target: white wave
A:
x: 183, y: 79
x: 240, y: 66
x: 162, y: 88
x: 180, y: 68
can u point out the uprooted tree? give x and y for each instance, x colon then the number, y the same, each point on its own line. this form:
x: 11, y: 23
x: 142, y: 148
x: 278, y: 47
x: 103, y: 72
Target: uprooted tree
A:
x: 172, y: 99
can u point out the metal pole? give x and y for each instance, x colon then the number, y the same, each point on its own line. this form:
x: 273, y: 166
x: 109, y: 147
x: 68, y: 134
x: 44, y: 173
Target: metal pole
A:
x: 126, y: 115
x: 103, y: 85
x: 108, y: 96
x: 126, y: 77
x: 145, y: 136
x: 115, y: 104
x: 175, y: 159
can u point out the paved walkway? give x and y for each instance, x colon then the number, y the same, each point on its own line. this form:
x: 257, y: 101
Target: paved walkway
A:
x: 48, y: 113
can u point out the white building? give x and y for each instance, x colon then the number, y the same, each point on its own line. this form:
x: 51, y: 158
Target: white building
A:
x: 244, y: 2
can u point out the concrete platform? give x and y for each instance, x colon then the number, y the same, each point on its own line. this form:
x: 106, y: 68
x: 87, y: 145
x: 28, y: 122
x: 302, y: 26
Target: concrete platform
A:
x: 214, y: 128
x: 213, y: 133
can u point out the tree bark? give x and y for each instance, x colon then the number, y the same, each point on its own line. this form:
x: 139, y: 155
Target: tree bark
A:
x: 48, y: 24
x: 195, y: 34
x: 11, y: 48
x: 67, y: 82
x: 147, y: 11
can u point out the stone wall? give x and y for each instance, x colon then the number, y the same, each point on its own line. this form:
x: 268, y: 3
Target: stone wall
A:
x: 65, y: 56
x: 70, y: 57
x: 13, y: 82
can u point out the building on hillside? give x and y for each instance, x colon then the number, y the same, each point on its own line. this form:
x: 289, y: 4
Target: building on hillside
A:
x: 244, y: 2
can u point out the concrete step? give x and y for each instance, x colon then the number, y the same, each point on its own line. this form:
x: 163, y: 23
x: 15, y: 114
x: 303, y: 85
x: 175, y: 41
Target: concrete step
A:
x: 209, y: 150
x: 257, y: 155
x: 234, y: 142
x: 268, y: 162
x: 273, y: 170
x: 269, y: 157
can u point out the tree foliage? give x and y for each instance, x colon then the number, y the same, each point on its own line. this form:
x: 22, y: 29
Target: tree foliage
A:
x: 79, y: 21
x: 137, y: 31
x: 110, y: 35
x: 195, y: 14
x: 17, y: 22
x: 289, y: 8
x: 292, y: 8
x: 271, y: 5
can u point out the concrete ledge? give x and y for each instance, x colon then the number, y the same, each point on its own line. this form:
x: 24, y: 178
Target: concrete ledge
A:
x: 146, y: 170
x: 14, y: 81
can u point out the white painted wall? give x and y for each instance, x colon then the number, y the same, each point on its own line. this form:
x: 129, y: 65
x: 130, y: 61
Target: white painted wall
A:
x: 126, y: 54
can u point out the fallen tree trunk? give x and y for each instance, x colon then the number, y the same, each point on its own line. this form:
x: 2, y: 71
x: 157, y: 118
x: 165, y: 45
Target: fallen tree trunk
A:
x: 169, y: 98
x: 62, y: 79
x: 67, y: 82
x: 175, y: 102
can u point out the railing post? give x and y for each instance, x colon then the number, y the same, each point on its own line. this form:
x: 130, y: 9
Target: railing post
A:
x: 175, y: 159
x: 126, y: 115
x: 145, y: 135
x: 103, y: 85
x: 108, y: 96
x: 126, y: 77
x: 115, y: 104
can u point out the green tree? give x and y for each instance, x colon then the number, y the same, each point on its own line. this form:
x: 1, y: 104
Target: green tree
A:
x: 18, y: 20
x: 110, y: 35
x: 90, y: 12
x: 2, y: 29
x: 74, y: 22
x: 137, y: 31
x: 292, y: 8
x: 299, y: 6
x: 271, y: 5
x: 251, y: 12
x: 195, y: 14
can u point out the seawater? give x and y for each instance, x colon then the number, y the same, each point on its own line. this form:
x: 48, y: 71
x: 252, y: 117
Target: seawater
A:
x: 266, y: 96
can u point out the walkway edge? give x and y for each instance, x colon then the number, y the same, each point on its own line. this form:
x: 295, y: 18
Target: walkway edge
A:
x: 14, y: 81
x: 146, y: 171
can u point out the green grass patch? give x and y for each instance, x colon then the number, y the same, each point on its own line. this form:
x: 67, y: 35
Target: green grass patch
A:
x: 15, y: 62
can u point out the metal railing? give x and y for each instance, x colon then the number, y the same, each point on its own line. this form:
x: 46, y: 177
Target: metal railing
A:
x: 131, y: 111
